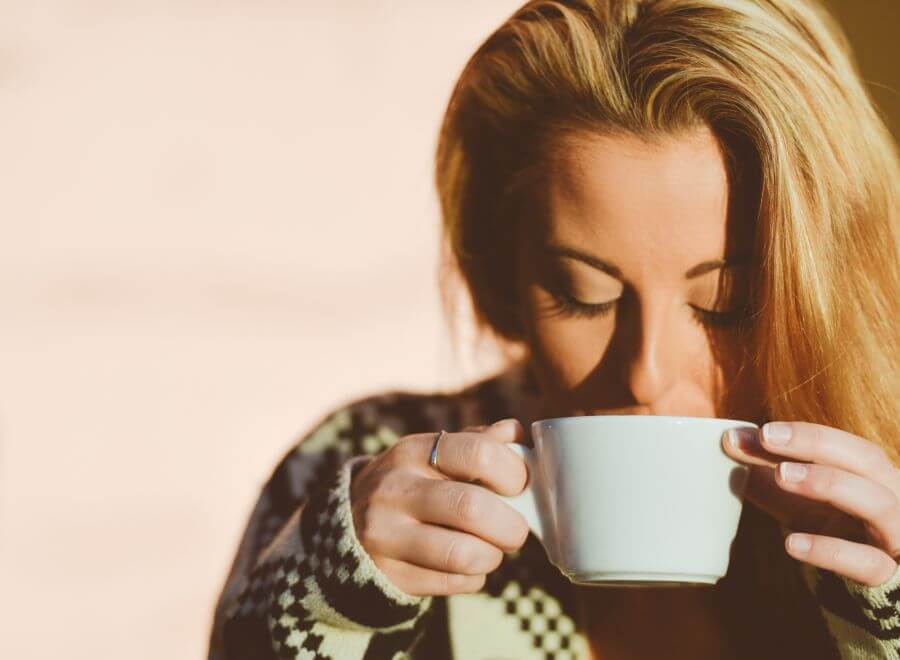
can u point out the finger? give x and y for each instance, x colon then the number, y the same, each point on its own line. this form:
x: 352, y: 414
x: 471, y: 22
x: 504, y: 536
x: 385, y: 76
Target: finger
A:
x: 817, y: 443
x: 469, y: 508
x: 437, y: 548
x: 478, y: 457
x: 505, y: 430
x: 862, y: 498
x: 798, y: 512
x: 481, y: 457
x: 793, y: 509
x: 744, y: 445
x: 858, y: 561
x: 418, y: 581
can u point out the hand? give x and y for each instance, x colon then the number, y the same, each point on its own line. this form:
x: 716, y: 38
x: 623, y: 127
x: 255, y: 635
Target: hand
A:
x: 846, y: 496
x: 435, y: 532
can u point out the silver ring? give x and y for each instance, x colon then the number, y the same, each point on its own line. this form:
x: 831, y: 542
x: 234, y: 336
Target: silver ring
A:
x: 433, y: 460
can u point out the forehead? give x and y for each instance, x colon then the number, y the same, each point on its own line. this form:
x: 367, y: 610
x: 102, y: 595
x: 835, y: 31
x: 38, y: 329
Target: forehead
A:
x: 632, y: 200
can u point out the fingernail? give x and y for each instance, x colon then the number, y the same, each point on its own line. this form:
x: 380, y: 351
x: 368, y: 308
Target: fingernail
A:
x: 799, y: 543
x: 777, y: 433
x: 741, y: 437
x: 793, y: 472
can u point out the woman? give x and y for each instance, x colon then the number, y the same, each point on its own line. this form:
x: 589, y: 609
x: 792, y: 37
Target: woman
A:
x: 673, y: 207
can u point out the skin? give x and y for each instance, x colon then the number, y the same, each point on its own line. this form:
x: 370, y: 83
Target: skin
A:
x: 654, y: 211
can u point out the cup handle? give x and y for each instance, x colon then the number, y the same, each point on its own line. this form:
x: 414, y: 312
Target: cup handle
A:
x: 526, y: 501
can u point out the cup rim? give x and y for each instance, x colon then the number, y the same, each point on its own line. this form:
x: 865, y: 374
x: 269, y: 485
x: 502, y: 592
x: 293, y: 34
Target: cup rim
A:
x: 663, y: 418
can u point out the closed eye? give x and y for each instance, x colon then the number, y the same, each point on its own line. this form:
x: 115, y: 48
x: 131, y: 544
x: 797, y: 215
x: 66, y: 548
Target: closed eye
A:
x: 719, y: 319
x: 569, y: 306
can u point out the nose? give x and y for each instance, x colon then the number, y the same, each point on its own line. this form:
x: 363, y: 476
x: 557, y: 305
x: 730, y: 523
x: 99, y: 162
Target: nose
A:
x: 652, y: 361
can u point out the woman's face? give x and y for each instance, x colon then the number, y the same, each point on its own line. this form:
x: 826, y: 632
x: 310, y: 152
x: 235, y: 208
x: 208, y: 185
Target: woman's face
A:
x: 628, y: 307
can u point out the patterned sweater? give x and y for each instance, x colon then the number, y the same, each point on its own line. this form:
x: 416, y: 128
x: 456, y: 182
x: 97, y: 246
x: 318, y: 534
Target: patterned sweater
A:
x: 302, y: 586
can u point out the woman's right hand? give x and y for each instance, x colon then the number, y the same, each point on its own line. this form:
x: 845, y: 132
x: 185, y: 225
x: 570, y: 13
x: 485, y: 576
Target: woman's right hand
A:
x: 435, y: 532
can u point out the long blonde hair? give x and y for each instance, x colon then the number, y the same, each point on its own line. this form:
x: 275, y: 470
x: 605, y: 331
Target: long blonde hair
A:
x: 777, y: 82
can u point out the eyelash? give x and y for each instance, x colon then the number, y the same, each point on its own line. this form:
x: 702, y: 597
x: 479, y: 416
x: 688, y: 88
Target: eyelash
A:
x: 719, y: 319
x: 569, y: 306
x: 575, y: 308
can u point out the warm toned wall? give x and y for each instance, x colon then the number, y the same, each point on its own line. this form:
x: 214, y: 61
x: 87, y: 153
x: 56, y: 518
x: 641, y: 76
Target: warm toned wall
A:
x: 218, y: 222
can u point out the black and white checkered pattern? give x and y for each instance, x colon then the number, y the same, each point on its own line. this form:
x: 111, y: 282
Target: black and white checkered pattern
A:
x: 541, y: 616
x: 303, y: 584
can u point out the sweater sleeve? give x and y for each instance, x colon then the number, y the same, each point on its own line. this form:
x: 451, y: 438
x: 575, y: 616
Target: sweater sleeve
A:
x: 302, y: 585
x: 864, y: 621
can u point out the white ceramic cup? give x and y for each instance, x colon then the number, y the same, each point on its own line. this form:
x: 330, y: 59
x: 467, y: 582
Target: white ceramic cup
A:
x: 633, y: 500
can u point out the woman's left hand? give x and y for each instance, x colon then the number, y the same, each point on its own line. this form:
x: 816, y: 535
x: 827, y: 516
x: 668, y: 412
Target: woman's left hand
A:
x: 842, y: 490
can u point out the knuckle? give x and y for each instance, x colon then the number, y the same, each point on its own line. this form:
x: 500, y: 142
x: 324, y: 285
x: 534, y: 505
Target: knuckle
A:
x: 393, y: 456
x: 458, y: 557
x: 478, y: 455
x: 368, y: 526
x: 381, y: 491
x: 465, y: 504
x: 833, y: 553
x: 814, y: 431
x: 484, y: 457
x: 405, y: 449
x: 392, y: 487
x: 823, y: 481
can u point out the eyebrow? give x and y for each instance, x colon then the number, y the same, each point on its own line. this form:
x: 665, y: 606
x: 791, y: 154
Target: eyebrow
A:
x: 614, y: 271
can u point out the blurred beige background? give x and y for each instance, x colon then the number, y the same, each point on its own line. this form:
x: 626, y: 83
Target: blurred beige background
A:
x: 218, y: 222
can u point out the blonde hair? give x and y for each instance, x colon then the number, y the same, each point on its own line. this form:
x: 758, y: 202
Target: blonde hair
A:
x: 777, y: 83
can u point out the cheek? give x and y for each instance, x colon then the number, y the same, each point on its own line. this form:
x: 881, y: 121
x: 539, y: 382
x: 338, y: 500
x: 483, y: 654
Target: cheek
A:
x: 566, y: 349
x: 571, y: 349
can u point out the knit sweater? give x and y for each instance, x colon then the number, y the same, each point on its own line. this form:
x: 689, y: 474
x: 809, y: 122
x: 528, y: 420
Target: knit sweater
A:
x: 303, y: 587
